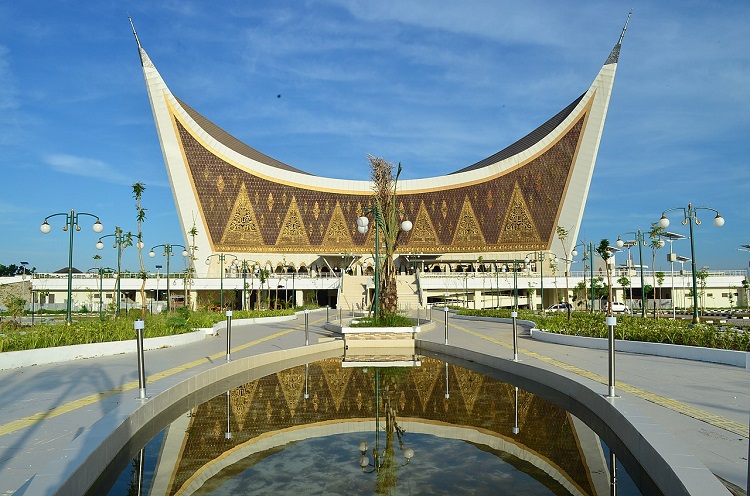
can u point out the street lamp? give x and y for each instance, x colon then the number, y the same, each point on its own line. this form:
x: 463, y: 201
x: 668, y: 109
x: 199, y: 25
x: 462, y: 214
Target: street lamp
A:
x: 168, y: 253
x: 221, y: 257
x: 158, y: 268
x: 23, y: 280
x: 641, y: 242
x: 71, y: 224
x: 363, y: 224
x: 672, y: 257
x: 690, y: 216
x: 122, y: 240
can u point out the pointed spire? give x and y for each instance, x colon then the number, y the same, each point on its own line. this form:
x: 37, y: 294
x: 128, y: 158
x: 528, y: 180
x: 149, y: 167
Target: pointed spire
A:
x: 137, y: 41
x: 614, y: 56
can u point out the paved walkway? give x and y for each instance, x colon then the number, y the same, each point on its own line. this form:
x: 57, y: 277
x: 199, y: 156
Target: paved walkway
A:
x: 44, y: 408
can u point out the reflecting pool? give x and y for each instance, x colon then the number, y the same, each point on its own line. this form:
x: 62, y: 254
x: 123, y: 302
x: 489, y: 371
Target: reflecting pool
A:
x: 341, y: 428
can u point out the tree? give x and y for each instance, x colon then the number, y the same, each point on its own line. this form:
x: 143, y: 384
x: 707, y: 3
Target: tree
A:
x: 660, y: 282
x: 190, y: 271
x: 388, y: 219
x: 140, y: 217
x: 656, y: 242
x: 603, y: 251
x: 624, y: 282
x: 702, y: 276
x: 15, y: 305
x: 562, y: 235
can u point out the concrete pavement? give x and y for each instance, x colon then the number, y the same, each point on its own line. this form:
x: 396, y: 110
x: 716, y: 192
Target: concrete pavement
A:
x: 44, y: 408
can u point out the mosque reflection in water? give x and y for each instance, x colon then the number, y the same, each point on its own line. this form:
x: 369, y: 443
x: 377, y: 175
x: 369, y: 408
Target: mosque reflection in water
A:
x: 324, y: 428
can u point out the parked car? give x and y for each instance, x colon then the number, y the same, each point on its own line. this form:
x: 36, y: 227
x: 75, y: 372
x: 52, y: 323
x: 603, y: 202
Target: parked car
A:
x: 617, y: 307
x: 560, y: 307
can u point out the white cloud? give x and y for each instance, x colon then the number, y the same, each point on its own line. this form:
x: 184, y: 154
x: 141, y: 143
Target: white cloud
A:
x: 86, y: 167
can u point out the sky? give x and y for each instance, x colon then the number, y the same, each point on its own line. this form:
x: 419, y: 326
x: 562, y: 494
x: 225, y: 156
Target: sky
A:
x: 320, y: 84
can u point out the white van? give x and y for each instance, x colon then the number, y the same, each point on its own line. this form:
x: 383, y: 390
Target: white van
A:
x: 618, y: 307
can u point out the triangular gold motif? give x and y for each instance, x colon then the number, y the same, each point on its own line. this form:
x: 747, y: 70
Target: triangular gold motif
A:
x: 292, y: 383
x: 423, y: 233
x: 243, y: 225
x: 293, y: 231
x: 518, y: 226
x: 425, y: 379
x: 470, y: 385
x: 337, y: 378
x: 241, y: 399
x: 338, y: 232
x: 468, y: 231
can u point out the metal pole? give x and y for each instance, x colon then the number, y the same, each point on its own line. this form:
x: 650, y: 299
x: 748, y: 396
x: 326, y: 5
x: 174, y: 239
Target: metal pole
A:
x: 307, y: 374
x: 101, y: 275
x: 221, y: 281
x: 138, y: 325
x: 447, y: 394
x: 307, y: 334
x: 229, y: 334
x: 515, y: 430
x: 327, y: 319
x: 228, y: 433
x: 591, y: 271
x: 612, y: 473
x: 515, y: 284
x: 445, y: 314
x: 118, y: 242
x: 377, y: 278
x: 611, y: 323
x: 168, y: 254
x: 71, y: 227
x: 514, y: 316
x: 696, y: 319
x: 639, y: 239
x: 541, y: 279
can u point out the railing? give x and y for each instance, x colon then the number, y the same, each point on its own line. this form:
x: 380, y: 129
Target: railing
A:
x: 576, y: 274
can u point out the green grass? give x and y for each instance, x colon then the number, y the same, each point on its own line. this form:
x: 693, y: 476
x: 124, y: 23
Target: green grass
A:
x: 633, y: 328
x: 89, y: 328
x: 387, y: 320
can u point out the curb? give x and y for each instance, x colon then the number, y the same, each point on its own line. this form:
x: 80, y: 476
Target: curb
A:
x: 696, y: 353
x: 44, y: 356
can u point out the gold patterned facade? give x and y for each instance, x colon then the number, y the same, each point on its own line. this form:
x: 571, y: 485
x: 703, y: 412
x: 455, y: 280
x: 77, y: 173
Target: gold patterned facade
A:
x: 515, y: 210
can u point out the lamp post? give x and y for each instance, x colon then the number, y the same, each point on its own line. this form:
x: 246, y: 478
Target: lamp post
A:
x: 158, y: 268
x: 221, y: 257
x: 690, y: 216
x: 71, y: 224
x: 121, y: 241
x: 672, y: 257
x: 23, y: 280
x: 168, y: 253
x: 363, y: 224
x: 641, y: 242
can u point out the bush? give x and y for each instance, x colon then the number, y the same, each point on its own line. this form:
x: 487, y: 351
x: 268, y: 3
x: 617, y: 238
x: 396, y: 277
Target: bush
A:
x: 385, y: 320
x: 632, y: 328
x: 15, y: 337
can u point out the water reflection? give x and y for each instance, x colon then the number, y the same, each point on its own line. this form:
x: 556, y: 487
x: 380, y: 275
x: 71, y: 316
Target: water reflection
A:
x: 301, y: 431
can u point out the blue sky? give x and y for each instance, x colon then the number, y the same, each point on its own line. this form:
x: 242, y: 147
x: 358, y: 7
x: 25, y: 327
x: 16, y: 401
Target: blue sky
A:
x: 319, y: 84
